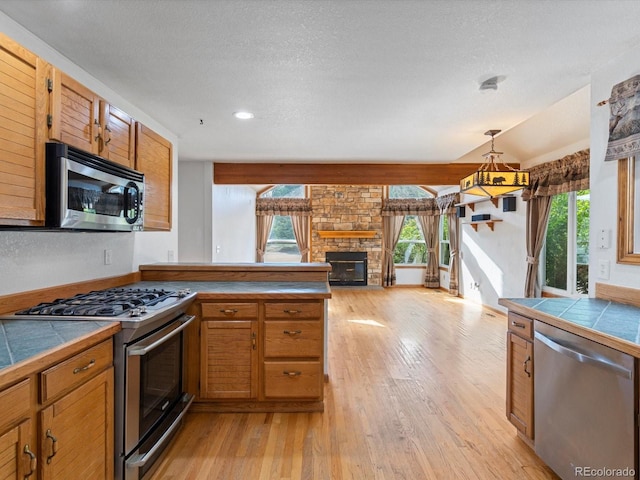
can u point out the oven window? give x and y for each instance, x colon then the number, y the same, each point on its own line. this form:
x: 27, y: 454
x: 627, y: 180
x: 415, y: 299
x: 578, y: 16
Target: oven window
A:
x: 160, y: 381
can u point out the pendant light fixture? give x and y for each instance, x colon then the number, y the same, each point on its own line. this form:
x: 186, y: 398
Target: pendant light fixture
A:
x: 494, y: 176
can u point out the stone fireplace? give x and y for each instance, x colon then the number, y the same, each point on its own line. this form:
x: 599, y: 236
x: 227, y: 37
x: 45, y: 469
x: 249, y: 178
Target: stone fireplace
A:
x: 346, y: 218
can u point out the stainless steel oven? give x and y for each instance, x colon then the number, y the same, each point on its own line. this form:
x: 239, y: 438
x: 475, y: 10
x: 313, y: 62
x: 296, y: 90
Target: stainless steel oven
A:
x: 154, y: 402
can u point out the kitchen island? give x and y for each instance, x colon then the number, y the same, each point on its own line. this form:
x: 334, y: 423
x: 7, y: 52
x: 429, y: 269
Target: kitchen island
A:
x: 260, y: 337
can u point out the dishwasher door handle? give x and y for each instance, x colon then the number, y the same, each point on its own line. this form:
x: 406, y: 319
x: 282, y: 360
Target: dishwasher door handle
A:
x: 583, y: 357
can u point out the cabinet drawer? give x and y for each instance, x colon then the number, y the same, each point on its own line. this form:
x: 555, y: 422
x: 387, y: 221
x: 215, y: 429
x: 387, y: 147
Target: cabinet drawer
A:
x: 293, y: 379
x: 292, y: 338
x: 228, y: 310
x: 520, y: 325
x: 15, y: 402
x: 75, y: 370
x: 293, y: 310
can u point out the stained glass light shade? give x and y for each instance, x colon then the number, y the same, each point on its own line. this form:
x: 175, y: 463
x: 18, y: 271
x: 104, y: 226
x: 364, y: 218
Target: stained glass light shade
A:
x: 494, y: 177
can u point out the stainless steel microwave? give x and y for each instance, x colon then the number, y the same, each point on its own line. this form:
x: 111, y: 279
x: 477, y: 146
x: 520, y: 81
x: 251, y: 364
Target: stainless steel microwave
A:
x: 87, y: 192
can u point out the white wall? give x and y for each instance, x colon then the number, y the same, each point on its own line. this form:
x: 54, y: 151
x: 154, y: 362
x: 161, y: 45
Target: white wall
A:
x: 31, y: 260
x: 603, y: 175
x: 195, y: 216
x: 234, y: 223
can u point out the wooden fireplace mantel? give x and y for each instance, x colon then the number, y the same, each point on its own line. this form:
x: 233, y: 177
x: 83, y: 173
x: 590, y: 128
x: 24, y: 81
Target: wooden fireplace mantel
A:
x: 346, y: 233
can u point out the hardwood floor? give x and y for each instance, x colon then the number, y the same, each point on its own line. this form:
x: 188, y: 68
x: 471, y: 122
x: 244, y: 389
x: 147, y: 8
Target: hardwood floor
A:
x: 416, y: 391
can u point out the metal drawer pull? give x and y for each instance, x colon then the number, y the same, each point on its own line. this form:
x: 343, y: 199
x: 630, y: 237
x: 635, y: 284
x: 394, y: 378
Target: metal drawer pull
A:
x: 292, y: 374
x: 292, y: 311
x: 229, y: 310
x: 85, y: 368
x: 525, y: 365
x: 518, y: 324
x: 292, y: 332
x: 54, y: 446
x: 33, y: 463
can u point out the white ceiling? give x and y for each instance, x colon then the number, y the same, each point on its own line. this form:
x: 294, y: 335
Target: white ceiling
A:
x: 343, y: 80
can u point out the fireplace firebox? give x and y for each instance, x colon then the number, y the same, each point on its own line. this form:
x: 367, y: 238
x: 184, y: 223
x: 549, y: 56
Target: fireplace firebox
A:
x: 347, y: 268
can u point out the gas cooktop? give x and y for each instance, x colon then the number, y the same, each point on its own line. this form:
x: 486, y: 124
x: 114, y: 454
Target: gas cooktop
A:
x: 127, y: 305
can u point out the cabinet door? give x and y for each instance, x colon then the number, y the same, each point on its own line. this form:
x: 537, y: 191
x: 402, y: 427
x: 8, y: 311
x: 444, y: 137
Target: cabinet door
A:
x: 76, y: 436
x: 154, y: 158
x: 74, y: 113
x: 117, y: 142
x: 23, y: 130
x: 17, y: 459
x: 229, y: 359
x: 520, y: 383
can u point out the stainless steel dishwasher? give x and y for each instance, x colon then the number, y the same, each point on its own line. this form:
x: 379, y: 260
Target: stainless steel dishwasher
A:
x: 585, y: 414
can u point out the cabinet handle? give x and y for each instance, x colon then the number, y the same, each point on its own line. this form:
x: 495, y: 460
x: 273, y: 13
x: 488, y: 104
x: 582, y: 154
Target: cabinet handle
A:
x: 292, y: 312
x: 99, y: 128
x: 253, y: 340
x: 33, y: 463
x: 54, y: 446
x: 292, y: 374
x: 107, y: 129
x: 525, y: 364
x: 518, y: 324
x: 85, y: 368
x: 292, y: 332
x: 229, y: 311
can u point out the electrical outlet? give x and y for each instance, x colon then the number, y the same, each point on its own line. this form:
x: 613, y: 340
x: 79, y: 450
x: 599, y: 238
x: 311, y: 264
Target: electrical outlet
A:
x: 603, y: 269
x: 108, y: 257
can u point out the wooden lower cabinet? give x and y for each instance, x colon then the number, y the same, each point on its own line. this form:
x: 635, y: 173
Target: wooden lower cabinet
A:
x: 261, y: 354
x: 68, y: 432
x: 520, y: 409
x: 76, y: 432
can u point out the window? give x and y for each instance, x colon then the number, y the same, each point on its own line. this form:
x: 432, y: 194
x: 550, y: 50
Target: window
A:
x: 445, y: 249
x: 281, y: 245
x: 411, y: 248
x: 566, y: 250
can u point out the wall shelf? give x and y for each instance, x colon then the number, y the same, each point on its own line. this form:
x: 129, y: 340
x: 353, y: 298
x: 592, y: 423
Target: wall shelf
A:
x: 346, y: 233
x: 471, y: 203
x: 488, y: 223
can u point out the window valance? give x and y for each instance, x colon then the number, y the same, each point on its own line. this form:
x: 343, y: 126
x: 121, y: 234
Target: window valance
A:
x: 566, y: 174
x: 624, y: 124
x: 447, y: 203
x: 409, y: 206
x: 284, y: 206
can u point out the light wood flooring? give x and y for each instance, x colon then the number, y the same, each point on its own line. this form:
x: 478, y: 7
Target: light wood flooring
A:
x: 416, y: 391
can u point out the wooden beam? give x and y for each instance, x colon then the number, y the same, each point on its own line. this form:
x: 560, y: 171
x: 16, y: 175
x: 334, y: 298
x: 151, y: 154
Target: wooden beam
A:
x: 342, y: 173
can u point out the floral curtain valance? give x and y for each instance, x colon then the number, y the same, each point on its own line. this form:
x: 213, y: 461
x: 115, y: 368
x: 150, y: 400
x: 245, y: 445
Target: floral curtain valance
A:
x: 409, y: 206
x: 447, y: 203
x: 567, y: 174
x: 283, y: 206
x: 624, y: 120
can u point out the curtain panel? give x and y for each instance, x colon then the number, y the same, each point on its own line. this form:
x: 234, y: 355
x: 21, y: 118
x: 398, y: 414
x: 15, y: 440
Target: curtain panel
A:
x: 567, y: 174
x: 391, y: 228
x: 624, y: 120
x: 283, y: 206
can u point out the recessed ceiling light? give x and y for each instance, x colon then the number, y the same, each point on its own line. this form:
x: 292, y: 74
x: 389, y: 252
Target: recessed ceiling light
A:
x: 243, y: 115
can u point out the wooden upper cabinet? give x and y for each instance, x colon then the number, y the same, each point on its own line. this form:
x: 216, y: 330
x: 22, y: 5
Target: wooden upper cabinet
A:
x: 23, y: 101
x: 154, y: 158
x: 118, y: 136
x: 74, y: 113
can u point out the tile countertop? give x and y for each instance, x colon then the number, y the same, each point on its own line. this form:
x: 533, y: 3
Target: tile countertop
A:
x: 23, y: 339
x: 244, y: 290
x: 613, y: 324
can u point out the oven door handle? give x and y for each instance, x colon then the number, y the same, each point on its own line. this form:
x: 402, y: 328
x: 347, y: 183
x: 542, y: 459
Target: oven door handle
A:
x: 143, y: 348
x: 138, y: 460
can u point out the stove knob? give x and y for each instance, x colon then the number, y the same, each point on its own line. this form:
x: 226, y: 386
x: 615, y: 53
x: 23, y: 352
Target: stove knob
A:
x: 184, y: 292
x: 135, y: 312
x: 143, y: 309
